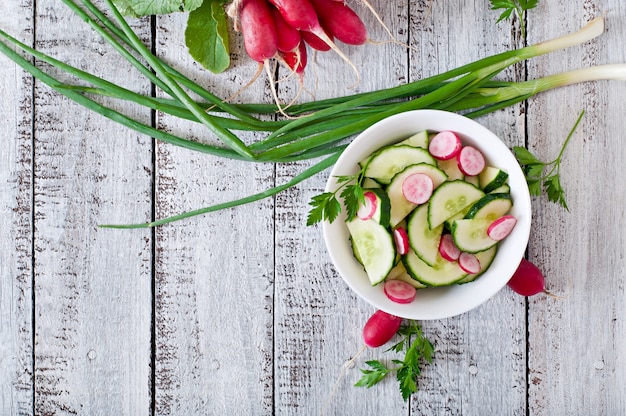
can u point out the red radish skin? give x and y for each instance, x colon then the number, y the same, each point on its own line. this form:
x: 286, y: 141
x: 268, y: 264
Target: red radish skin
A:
x: 417, y: 188
x: 288, y: 37
x: 469, y: 263
x: 528, y: 280
x: 368, y: 209
x: 402, y: 240
x: 341, y: 21
x: 380, y: 328
x: 445, y: 145
x: 399, y: 291
x: 258, y: 29
x: 315, y: 42
x: 471, y: 161
x: 501, y: 227
x: 301, y: 15
x: 448, y: 249
x: 296, y: 60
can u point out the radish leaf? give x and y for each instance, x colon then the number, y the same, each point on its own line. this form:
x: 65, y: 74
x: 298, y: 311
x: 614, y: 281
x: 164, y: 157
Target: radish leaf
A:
x: 206, y: 36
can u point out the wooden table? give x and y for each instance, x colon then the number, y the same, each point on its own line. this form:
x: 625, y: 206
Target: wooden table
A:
x: 240, y: 312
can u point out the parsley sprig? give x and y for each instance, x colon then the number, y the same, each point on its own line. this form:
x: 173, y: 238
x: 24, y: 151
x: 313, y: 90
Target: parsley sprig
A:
x: 416, y: 348
x: 536, y: 175
x: 517, y: 6
x: 326, y: 206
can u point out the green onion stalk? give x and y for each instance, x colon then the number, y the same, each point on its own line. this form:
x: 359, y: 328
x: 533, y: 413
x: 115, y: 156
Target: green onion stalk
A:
x: 313, y: 130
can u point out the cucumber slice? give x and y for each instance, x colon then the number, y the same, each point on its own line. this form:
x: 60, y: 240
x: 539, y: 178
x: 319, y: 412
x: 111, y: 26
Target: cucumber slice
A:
x: 450, y: 198
x: 470, y: 235
x: 417, y: 140
x: 504, y: 189
x: 442, y: 273
x: 490, y: 207
x: 399, y: 273
x: 370, y: 183
x: 485, y: 258
x: 375, y: 247
x: 473, y: 180
x: 451, y: 168
x: 386, y: 162
x: 491, y: 178
x: 423, y: 240
x: 400, y: 207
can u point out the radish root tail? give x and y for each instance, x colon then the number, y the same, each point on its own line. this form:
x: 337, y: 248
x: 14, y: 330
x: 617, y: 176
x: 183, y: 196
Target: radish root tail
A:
x: 348, y: 364
x: 322, y: 35
x: 256, y: 76
x: 380, y: 20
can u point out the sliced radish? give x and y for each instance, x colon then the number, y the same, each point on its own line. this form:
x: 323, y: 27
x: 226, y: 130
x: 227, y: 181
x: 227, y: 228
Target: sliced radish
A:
x: 448, y: 249
x: 402, y: 240
x: 445, y: 145
x: 399, y: 291
x: 471, y: 162
x: 469, y: 263
x: 368, y: 209
x: 417, y: 188
x: 501, y: 227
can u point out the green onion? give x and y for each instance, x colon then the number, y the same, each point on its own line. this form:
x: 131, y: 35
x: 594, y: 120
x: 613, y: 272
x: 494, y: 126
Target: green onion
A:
x: 318, y: 129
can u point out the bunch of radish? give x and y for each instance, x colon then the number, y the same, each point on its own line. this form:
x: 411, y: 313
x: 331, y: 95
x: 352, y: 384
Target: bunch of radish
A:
x: 283, y: 29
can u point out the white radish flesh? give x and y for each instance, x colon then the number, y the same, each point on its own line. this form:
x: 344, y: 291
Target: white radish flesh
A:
x: 448, y: 249
x: 471, y: 161
x: 501, y: 227
x: 417, y: 188
x: 368, y: 208
x: 402, y: 240
x: 399, y: 291
x: 445, y: 145
x: 469, y: 263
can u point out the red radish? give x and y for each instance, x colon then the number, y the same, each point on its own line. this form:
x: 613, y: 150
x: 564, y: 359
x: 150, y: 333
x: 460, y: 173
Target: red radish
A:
x: 445, y: 145
x: 417, y: 188
x: 402, y: 240
x: 341, y: 21
x: 448, y: 249
x: 528, y: 280
x: 469, y: 263
x: 288, y: 37
x: 471, y: 162
x: 368, y: 209
x: 380, y: 328
x: 302, y: 15
x: 399, y: 291
x: 258, y: 29
x: 296, y: 60
x: 314, y: 42
x: 501, y: 227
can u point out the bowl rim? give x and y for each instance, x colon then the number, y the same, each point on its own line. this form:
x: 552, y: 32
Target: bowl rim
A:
x: 459, y: 298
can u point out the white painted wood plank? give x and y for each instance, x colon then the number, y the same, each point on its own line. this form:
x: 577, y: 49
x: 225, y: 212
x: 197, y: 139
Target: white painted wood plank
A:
x: 318, y: 320
x: 479, y: 356
x: 576, y: 350
x: 214, y: 273
x: 16, y: 366
x: 92, y: 286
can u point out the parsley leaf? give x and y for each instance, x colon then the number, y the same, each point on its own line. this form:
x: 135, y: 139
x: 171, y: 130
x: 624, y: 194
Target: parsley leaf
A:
x: 327, y: 207
x: 534, y: 170
x: 417, y: 349
x: 517, y: 6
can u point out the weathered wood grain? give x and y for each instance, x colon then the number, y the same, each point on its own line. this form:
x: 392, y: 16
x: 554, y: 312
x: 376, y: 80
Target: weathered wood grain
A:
x: 318, y: 320
x: 481, y: 353
x: 241, y: 312
x: 576, y: 348
x: 16, y: 230
x: 92, y: 286
x: 214, y: 274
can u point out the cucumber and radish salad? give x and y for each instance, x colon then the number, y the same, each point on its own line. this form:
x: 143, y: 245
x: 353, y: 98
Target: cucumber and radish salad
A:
x: 432, y: 213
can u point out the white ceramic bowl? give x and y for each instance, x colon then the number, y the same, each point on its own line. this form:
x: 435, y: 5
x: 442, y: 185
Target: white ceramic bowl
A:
x: 443, y: 302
